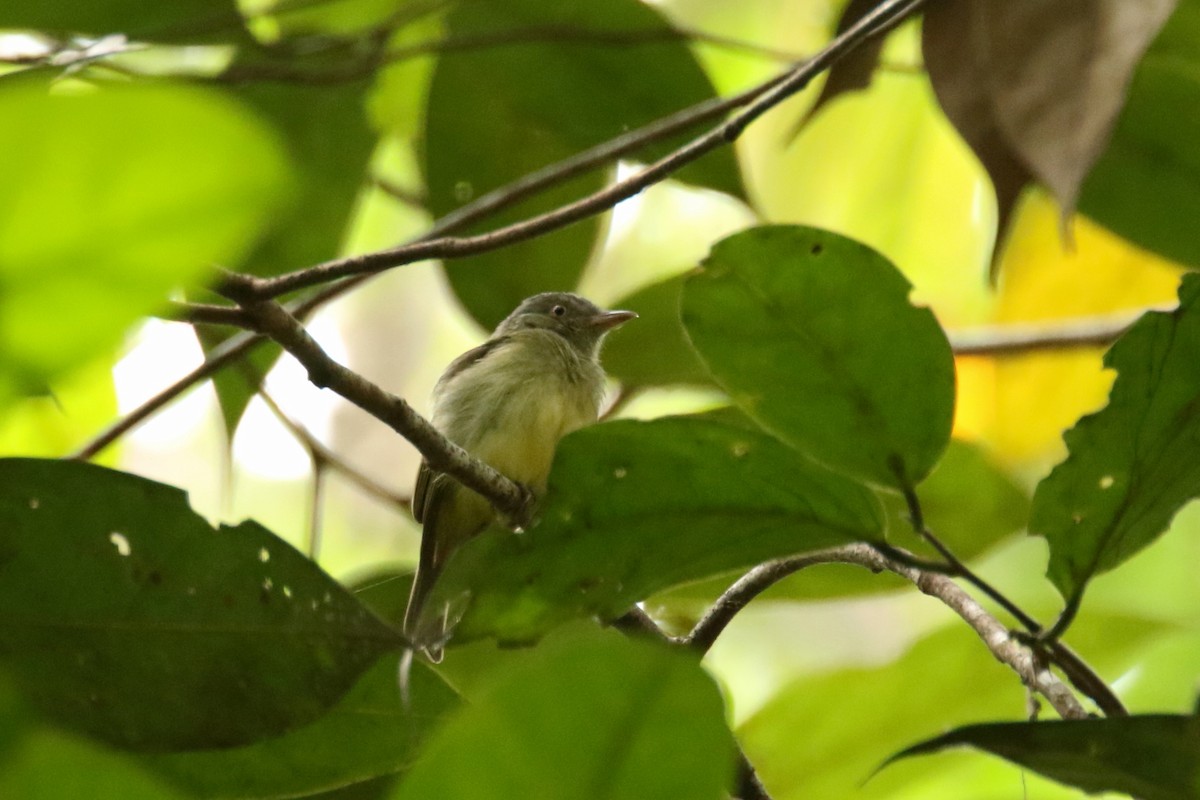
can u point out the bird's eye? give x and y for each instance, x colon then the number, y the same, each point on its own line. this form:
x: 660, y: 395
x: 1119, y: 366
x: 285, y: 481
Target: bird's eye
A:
x: 558, y: 311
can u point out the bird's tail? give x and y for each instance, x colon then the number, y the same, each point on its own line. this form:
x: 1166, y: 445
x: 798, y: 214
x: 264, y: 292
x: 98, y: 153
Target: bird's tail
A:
x: 425, y: 635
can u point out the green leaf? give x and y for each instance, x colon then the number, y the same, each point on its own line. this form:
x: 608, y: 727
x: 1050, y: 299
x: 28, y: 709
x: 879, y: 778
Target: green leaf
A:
x: 52, y: 765
x: 813, y: 336
x: 496, y: 113
x: 967, y: 500
x: 1132, y: 465
x: 125, y: 615
x: 325, y: 132
x: 1153, y: 757
x: 98, y: 231
x: 592, y: 718
x: 372, y: 732
x: 858, y: 716
x: 656, y: 351
x: 178, y: 20
x: 635, y: 507
x: 1146, y: 186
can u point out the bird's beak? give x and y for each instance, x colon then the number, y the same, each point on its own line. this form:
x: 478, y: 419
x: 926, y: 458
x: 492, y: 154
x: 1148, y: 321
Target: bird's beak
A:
x: 607, y: 320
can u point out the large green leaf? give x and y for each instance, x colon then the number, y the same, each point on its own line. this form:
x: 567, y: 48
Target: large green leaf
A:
x: 1146, y: 186
x: 171, y: 21
x: 49, y: 764
x: 127, y: 192
x: 635, y: 507
x: 498, y: 112
x: 125, y: 615
x: 655, y: 352
x: 372, y: 732
x: 813, y: 336
x: 1133, y: 464
x: 1152, y: 757
x: 590, y: 718
x: 325, y: 131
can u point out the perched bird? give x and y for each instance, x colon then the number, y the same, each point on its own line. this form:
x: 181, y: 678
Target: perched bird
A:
x: 507, y: 402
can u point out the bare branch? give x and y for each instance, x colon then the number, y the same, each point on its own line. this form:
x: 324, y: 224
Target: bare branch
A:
x: 886, y: 15
x: 318, y: 451
x: 1077, y: 671
x: 274, y: 321
x: 290, y: 72
x: 205, y: 314
x: 1003, y: 340
x: 1006, y: 648
x: 487, y: 204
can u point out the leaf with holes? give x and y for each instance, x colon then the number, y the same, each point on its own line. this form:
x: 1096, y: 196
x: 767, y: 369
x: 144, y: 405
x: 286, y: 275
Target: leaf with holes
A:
x: 1153, y: 757
x: 1133, y: 464
x: 635, y: 507
x: 125, y: 615
x: 813, y: 335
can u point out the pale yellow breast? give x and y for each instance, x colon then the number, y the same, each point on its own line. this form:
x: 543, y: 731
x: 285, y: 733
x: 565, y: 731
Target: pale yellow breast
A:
x: 512, y: 408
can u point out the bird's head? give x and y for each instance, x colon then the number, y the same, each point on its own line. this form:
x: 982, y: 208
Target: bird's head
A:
x: 578, y: 320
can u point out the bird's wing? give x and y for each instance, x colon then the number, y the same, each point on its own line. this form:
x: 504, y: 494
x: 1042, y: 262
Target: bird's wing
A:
x: 471, y: 357
x: 420, y: 499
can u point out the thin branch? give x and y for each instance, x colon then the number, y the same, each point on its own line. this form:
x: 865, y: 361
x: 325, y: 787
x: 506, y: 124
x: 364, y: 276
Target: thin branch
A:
x: 494, y: 201
x: 1006, y: 648
x: 207, y: 314
x: 318, y: 450
x: 273, y: 320
x: 460, y: 43
x: 1082, y: 676
x: 917, y: 520
x: 885, y: 16
x: 1016, y: 339
x: 710, y: 626
x: 316, y: 508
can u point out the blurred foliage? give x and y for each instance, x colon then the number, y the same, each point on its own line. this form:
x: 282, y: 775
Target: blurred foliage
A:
x: 147, y: 653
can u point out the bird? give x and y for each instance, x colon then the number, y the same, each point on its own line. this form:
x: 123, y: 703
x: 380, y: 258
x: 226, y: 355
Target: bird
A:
x: 507, y: 402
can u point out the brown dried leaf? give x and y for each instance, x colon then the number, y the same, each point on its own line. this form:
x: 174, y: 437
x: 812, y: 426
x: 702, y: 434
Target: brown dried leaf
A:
x: 1036, y: 85
x: 1059, y: 71
x: 952, y: 46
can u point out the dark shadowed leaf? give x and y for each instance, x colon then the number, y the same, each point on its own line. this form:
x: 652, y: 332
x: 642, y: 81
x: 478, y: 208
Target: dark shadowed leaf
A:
x: 635, y: 507
x: 1133, y: 464
x: 1146, y: 186
x: 81, y: 260
x: 595, y: 717
x: 1152, y: 757
x: 1039, y: 83
x: 854, y: 70
x: 178, y: 20
x: 125, y: 615
x: 655, y: 352
x: 370, y: 733
x: 325, y: 131
x: 813, y: 335
x: 572, y: 75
